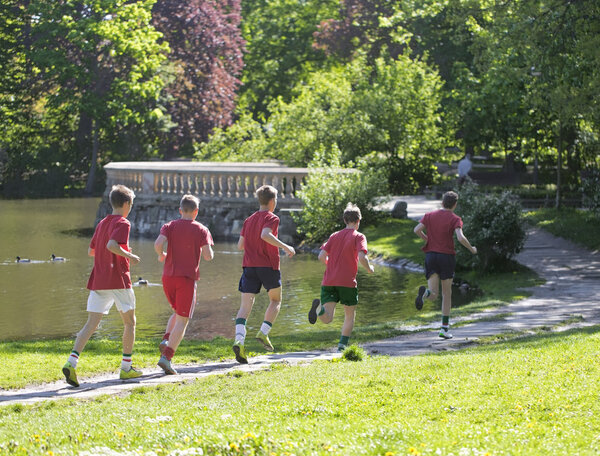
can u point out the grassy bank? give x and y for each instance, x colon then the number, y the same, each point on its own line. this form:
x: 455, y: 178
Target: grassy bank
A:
x: 31, y: 362
x: 529, y: 397
x: 579, y: 226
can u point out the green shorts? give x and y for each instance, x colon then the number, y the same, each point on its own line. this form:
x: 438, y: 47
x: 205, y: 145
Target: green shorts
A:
x: 346, y: 295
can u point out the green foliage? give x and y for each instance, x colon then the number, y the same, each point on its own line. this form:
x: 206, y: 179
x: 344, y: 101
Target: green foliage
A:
x: 354, y: 353
x: 492, y: 223
x: 591, y: 190
x: 329, y: 187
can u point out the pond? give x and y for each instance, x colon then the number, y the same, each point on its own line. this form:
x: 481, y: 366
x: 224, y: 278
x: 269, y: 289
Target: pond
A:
x: 45, y: 299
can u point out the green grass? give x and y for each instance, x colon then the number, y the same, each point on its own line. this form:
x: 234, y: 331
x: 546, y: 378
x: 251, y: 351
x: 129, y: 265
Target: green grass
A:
x: 533, y: 396
x: 579, y: 226
x: 394, y: 238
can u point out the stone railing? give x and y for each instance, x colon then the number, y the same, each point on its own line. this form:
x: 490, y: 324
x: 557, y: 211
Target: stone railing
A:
x: 206, y: 179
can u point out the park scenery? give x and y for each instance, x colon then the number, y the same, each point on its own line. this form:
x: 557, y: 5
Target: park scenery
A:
x: 349, y: 227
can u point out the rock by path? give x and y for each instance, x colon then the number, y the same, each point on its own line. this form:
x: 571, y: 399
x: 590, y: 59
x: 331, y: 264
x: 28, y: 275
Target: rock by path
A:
x: 572, y: 289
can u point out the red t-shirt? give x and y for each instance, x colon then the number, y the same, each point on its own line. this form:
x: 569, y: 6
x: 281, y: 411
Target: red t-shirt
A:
x: 258, y: 253
x: 185, y: 241
x: 110, y: 272
x: 439, y: 227
x: 342, y: 248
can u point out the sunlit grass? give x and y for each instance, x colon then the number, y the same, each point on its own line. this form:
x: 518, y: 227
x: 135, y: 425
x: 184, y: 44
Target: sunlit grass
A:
x: 579, y: 226
x: 532, y: 396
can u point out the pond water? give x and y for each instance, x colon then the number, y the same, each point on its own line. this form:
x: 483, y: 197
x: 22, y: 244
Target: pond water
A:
x: 45, y: 299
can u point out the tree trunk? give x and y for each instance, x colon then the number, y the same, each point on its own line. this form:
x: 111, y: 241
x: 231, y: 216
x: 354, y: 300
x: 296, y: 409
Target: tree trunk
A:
x: 89, y: 186
x: 558, y: 165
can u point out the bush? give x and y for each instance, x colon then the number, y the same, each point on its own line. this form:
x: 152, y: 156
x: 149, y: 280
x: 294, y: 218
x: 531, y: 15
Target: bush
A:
x: 353, y: 353
x: 492, y: 223
x: 590, y: 185
x: 329, y: 188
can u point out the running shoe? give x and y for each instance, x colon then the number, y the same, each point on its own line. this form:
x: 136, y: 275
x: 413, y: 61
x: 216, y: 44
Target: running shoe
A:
x: 70, y: 374
x: 445, y: 334
x: 419, y: 298
x: 264, y: 339
x: 341, y: 347
x: 131, y: 373
x: 240, y: 353
x: 312, y: 313
x: 165, y: 365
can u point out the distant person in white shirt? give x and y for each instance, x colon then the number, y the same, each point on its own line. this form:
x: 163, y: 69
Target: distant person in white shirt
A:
x: 464, y: 168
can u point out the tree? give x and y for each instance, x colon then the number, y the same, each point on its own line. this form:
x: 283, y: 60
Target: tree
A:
x: 206, y: 58
x: 97, y: 64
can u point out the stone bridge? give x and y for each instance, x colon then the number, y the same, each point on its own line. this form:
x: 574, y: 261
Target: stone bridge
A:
x: 226, y: 193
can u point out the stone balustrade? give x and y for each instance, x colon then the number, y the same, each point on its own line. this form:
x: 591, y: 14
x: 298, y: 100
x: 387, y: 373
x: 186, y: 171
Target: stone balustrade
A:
x: 232, y: 181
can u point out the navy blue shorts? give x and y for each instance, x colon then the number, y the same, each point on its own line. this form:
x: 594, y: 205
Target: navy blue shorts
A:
x: 442, y: 264
x: 253, y: 278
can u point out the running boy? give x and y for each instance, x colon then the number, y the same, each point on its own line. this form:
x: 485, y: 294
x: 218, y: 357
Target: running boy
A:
x: 341, y: 255
x: 188, y: 242
x: 110, y: 282
x: 440, y: 257
x: 258, y: 240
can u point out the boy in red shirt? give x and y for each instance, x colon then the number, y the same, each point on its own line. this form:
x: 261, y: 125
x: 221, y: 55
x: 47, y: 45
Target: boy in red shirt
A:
x: 110, y: 282
x: 188, y: 241
x: 440, y: 257
x: 258, y: 240
x: 341, y: 255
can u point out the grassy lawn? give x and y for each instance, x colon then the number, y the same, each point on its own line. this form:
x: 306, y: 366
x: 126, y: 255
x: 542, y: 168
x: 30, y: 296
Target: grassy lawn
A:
x: 579, y: 226
x: 528, y: 397
x: 31, y: 362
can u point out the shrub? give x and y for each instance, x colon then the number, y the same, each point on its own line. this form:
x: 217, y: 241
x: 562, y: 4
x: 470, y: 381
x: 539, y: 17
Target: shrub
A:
x: 590, y: 185
x: 353, y: 353
x: 492, y: 223
x: 328, y: 188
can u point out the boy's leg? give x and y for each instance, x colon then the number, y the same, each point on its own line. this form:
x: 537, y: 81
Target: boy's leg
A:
x: 177, y: 333
x: 127, y: 371
x: 83, y: 336
x: 433, y: 287
x: 349, y: 316
x: 270, y: 316
x: 329, y: 311
x: 240, y: 327
x: 446, y: 306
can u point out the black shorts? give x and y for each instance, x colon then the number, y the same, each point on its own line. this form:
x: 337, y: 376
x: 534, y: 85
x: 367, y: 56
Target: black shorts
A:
x: 253, y: 278
x: 442, y: 264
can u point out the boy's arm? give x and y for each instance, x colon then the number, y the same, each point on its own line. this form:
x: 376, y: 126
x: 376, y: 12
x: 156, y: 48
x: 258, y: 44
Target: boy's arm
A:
x: 464, y: 241
x: 159, y: 246
x: 267, y: 236
x: 115, y: 248
x: 241, y: 243
x: 207, y: 252
x: 419, y: 231
x: 323, y: 257
x: 91, y: 252
x: 364, y: 260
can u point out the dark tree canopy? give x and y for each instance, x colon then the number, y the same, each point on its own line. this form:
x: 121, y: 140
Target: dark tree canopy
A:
x: 206, y: 60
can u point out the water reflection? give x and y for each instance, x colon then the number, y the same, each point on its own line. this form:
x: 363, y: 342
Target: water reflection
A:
x: 47, y: 299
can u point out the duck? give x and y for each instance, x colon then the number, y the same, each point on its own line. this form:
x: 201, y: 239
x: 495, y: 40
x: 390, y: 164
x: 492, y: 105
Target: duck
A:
x: 142, y: 281
x: 55, y: 258
x: 23, y: 260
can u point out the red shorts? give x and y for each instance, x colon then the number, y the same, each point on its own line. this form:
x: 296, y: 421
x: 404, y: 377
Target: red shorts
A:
x: 181, y: 294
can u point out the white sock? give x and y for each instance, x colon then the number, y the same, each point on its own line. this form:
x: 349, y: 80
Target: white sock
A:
x: 73, y: 358
x: 265, y: 328
x: 240, y: 333
x: 126, y: 363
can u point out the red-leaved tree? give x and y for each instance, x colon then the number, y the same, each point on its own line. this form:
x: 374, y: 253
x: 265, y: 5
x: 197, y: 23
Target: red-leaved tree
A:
x: 206, y: 54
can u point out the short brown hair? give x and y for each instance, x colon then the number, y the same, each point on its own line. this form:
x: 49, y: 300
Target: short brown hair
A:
x: 352, y: 213
x: 119, y: 195
x: 189, y: 203
x: 449, y: 200
x: 265, y: 194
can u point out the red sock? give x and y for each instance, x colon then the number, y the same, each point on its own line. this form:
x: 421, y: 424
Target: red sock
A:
x: 166, y: 336
x: 168, y: 353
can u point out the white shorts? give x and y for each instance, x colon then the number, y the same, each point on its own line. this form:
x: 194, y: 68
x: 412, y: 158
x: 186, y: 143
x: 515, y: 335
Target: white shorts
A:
x: 101, y: 301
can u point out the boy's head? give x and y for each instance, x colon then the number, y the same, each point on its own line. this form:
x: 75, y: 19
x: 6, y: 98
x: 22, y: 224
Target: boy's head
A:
x: 189, y: 204
x: 449, y: 200
x: 266, y: 194
x: 352, y: 214
x: 119, y: 195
